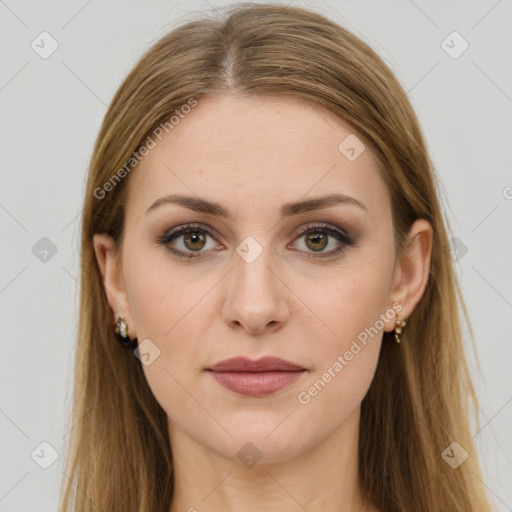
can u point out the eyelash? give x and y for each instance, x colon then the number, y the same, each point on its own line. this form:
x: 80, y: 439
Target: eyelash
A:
x: 339, y: 235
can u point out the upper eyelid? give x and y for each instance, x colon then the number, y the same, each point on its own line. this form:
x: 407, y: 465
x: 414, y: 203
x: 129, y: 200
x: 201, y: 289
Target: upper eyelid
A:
x: 321, y: 225
x: 178, y: 230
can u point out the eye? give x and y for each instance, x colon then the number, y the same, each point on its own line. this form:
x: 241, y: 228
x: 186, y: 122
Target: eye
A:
x: 319, y: 236
x: 194, y: 240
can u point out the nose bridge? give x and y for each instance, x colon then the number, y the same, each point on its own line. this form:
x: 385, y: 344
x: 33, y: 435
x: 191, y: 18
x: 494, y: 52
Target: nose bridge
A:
x: 254, y: 272
x: 254, y: 297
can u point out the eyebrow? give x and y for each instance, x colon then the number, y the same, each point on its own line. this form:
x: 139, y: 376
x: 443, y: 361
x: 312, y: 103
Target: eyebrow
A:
x: 199, y: 204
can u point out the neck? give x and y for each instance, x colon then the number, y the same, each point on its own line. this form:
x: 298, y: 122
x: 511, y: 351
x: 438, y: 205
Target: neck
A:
x: 322, y: 477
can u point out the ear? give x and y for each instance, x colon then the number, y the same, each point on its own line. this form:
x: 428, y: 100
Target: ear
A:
x: 412, y: 271
x: 109, y: 262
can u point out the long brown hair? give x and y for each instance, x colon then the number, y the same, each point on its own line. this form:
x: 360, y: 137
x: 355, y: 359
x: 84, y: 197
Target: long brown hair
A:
x: 119, y: 452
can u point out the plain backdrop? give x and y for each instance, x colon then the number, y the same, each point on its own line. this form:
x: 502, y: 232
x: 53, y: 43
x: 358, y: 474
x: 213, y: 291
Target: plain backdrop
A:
x: 51, y: 111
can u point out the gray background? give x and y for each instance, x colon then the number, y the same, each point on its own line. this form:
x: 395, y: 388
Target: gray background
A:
x: 51, y: 110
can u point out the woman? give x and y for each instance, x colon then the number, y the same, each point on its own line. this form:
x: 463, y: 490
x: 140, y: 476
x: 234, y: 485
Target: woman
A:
x: 268, y: 305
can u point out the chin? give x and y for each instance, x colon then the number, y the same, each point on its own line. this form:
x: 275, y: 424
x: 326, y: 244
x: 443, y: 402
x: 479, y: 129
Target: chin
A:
x: 261, y: 435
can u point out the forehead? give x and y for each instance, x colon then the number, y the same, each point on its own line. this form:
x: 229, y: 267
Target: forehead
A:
x: 254, y: 151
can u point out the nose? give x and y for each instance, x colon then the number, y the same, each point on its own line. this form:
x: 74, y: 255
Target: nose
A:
x: 256, y: 298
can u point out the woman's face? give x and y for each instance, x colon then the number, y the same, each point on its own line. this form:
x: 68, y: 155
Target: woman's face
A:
x: 249, y: 283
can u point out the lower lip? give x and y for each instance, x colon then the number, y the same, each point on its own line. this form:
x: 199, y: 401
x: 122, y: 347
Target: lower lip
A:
x: 256, y: 383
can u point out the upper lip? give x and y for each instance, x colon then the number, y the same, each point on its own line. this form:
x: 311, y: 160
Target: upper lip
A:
x: 264, y: 364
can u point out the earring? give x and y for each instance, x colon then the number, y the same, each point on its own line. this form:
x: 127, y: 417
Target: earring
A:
x: 398, y: 329
x: 122, y: 332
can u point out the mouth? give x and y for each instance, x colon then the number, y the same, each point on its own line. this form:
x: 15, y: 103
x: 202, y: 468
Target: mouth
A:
x: 256, y: 378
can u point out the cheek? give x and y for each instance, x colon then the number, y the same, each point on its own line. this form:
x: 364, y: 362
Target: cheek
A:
x: 155, y: 295
x: 166, y: 310
x: 352, y: 313
x: 350, y: 303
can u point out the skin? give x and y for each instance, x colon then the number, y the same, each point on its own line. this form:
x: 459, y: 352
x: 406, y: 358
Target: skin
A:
x: 252, y: 156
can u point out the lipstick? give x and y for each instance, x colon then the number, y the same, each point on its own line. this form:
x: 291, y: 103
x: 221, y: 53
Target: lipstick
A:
x: 256, y: 378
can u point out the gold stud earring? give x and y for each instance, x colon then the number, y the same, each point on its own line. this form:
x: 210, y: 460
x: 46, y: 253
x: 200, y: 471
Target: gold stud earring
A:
x: 398, y: 329
x: 122, y: 332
